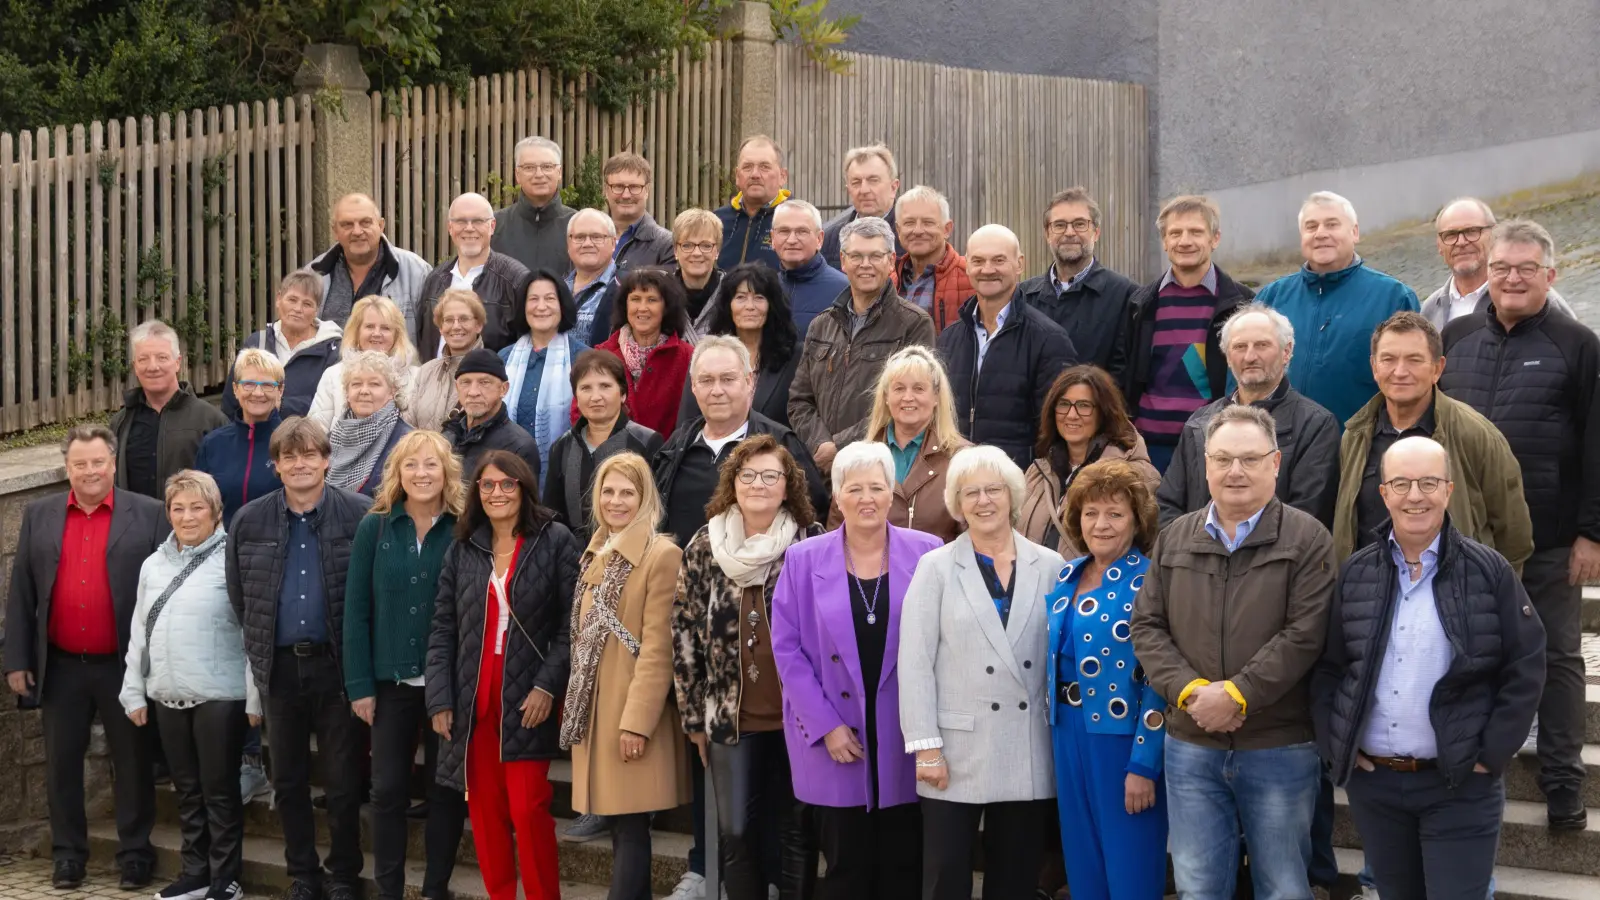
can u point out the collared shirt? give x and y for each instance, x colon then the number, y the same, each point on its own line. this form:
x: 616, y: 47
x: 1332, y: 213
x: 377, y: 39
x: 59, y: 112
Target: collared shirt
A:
x: 716, y: 444
x: 302, y: 602
x: 139, y: 457
x: 588, y: 297
x: 918, y: 288
x: 623, y: 238
x: 984, y: 337
x: 1075, y: 281
x: 1418, y: 654
x: 1215, y: 529
x: 82, y: 616
x: 1458, y: 305
x: 904, y: 457
x: 466, y: 280
x: 1209, y: 282
x: 1370, y: 510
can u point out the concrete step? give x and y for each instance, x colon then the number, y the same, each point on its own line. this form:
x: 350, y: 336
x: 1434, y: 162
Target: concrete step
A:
x: 1511, y: 883
x: 1591, y: 609
x: 1526, y: 841
x: 1591, y: 714
x: 1522, y: 779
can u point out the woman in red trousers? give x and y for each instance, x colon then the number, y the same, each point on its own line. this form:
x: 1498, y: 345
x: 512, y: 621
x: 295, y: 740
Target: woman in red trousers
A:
x: 497, y: 663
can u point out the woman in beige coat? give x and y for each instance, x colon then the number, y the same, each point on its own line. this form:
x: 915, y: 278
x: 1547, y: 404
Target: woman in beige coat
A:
x: 628, y: 753
x: 1083, y: 421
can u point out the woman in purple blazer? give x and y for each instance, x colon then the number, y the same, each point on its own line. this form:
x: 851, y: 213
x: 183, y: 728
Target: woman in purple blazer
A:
x: 835, y: 630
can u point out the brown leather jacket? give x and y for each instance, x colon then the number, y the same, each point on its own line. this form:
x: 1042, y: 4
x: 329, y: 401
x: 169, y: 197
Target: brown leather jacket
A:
x: 919, y: 500
x: 1256, y: 617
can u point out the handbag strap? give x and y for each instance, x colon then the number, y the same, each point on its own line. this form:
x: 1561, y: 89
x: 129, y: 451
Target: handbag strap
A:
x: 195, y: 562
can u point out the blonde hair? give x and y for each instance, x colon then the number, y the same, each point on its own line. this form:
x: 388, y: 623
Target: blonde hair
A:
x: 463, y: 296
x: 915, y: 360
x: 693, y: 222
x: 390, y: 494
x: 390, y: 313
x: 633, y: 467
x: 198, y: 482
x: 259, y: 359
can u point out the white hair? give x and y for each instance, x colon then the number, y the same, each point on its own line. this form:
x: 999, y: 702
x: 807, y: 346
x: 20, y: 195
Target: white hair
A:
x: 802, y: 206
x: 859, y: 457
x: 1280, y: 323
x: 924, y: 194
x: 611, y: 225
x: 1483, y: 207
x: 720, y: 342
x: 153, y: 330
x: 1328, y: 198
x: 369, y: 362
x: 994, y: 230
x: 868, y: 227
x: 982, y: 460
x: 535, y: 142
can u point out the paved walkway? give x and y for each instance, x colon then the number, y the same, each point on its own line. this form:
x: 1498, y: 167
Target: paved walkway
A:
x: 29, y: 879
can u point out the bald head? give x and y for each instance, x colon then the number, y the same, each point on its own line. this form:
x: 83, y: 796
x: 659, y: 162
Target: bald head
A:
x: 1416, y: 489
x: 357, y: 228
x: 1413, y: 457
x: 1462, y: 233
x: 471, y: 227
x: 994, y: 263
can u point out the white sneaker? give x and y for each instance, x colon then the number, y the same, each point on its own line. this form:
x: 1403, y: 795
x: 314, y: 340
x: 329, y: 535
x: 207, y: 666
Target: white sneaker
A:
x: 231, y: 892
x: 690, y: 887
x: 1368, y: 892
x: 1530, y: 747
x: 772, y: 892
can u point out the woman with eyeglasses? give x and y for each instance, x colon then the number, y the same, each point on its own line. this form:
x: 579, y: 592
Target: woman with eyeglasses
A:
x: 751, y: 305
x: 497, y: 661
x: 235, y: 455
x: 973, y: 685
x: 725, y: 675
x: 696, y: 240
x: 1083, y: 421
x: 459, y: 316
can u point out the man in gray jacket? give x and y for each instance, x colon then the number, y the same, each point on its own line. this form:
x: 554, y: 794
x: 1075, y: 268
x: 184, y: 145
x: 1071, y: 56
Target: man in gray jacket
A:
x: 533, y: 230
x: 1461, y: 231
x: 362, y: 263
x: 642, y: 242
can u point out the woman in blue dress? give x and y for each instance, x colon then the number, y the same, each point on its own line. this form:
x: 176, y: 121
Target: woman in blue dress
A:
x: 1107, y: 722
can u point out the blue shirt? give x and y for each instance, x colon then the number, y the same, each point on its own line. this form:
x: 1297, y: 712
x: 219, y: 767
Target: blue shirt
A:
x: 1073, y: 282
x: 588, y: 299
x: 302, y: 603
x: 1214, y: 527
x: 1417, y: 655
x: 623, y: 239
x: 983, y: 335
x: 904, y: 458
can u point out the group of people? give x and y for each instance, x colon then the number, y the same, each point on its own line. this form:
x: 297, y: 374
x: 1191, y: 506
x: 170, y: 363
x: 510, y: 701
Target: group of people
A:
x: 913, y: 556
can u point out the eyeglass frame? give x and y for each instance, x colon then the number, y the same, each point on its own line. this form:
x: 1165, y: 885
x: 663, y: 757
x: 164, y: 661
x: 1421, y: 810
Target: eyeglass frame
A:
x: 491, y: 486
x: 777, y: 475
x: 1453, y: 236
x: 1250, y: 463
x: 1059, y: 227
x: 1436, y: 480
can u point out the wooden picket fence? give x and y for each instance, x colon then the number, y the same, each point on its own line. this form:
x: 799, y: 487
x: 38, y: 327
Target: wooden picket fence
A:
x: 191, y: 218
x: 430, y: 145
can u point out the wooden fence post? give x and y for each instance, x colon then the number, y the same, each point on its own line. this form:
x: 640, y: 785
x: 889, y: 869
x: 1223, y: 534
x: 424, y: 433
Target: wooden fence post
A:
x: 341, y: 150
x: 754, y: 69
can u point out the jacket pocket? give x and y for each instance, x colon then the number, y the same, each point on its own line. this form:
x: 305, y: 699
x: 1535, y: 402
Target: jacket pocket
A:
x: 956, y: 721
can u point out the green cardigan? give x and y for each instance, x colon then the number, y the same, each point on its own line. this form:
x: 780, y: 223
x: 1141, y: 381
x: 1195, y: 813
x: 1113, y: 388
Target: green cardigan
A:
x: 388, y: 599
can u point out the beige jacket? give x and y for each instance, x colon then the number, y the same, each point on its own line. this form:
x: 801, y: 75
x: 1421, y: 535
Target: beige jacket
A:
x: 1042, y: 508
x: 432, y: 393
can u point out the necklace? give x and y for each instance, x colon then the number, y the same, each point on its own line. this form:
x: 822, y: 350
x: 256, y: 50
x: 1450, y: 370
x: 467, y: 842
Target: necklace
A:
x: 877, y: 584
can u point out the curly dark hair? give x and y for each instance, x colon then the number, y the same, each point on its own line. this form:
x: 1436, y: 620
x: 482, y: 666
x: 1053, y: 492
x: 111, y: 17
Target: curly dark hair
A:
x: 529, y: 516
x: 675, y: 303
x: 797, y: 496
x: 1111, y: 479
x: 779, y: 337
x: 1113, y: 411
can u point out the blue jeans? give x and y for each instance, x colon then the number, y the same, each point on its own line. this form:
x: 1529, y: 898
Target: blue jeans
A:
x: 1212, y: 793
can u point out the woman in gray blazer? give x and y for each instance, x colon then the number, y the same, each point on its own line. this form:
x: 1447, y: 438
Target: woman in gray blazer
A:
x: 973, y: 674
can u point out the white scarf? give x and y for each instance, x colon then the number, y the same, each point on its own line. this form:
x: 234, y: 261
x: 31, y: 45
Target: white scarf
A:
x: 747, y: 560
x: 554, y: 402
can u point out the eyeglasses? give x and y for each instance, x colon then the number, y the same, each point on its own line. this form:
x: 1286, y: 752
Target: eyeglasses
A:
x: 633, y: 189
x: 583, y: 239
x: 783, y: 234
x: 1060, y: 226
x: 472, y: 222
x: 769, y: 477
x: 1501, y: 271
x: 698, y: 247
x: 876, y: 257
x: 1457, y: 235
x: 459, y: 321
x: 539, y: 168
x: 987, y: 491
x: 1084, y: 408
x: 503, y: 485
x: 1224, y: 462
x: 262, y: 387
x: 1427, y: 484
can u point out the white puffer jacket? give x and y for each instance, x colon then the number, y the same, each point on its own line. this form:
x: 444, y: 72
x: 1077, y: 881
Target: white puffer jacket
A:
x: 197, y: 649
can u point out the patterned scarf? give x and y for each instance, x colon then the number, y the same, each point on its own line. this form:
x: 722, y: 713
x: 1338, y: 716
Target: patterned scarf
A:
x: 554, y: 399
x: 633, y: 354
x: 589, y: 641
x: 357, y: 444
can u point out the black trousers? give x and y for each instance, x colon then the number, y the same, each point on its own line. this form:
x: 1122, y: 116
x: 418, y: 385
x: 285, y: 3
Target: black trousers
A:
x: 630, y: 857
x: 401, y: 711
x: 1424, y: 840
x: 75, y: 689
x: 306, y: 697
x: 202, y: 744
x: 1011, y: 851
x: 755, y: 793
x: 1560, y: 608
x: 873, y: 855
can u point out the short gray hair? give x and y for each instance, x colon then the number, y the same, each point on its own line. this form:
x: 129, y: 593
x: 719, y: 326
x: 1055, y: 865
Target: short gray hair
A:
x: 924, y: 194
x: 83, y: 434
x: 1249, y: 415
x: 200, y: 483
x: 720, y: 342
x: 1280, y: 323
x: 802, y: 206
x: 535, y: 142
x: 971, y: 461
x: 867, y: 227
x: 1328, y: 198
x: 369, y: 361
x: 876, y: 151
x: 1525, y: 231
x: 611, y: 225
x: 858, y: 457
x: 155, y: 329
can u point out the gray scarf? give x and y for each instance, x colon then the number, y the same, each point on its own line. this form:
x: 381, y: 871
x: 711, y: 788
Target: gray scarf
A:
x: 357, y: 444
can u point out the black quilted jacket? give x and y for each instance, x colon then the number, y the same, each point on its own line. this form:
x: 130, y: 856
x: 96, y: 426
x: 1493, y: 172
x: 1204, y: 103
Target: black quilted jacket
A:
x: 255, y: 568
x: 536, y: 650
x: 1481, y: 709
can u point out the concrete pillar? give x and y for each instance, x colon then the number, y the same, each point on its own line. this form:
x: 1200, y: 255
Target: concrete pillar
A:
x: 748, y: 25
x: 342, y: 113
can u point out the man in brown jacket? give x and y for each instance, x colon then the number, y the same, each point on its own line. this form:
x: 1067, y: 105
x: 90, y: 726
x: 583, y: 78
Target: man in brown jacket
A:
x: 847, y: 345
x: 1228, y: 624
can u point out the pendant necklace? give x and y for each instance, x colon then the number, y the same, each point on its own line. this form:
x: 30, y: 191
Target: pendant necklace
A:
x: 755, y: 625
x: 877, y: 583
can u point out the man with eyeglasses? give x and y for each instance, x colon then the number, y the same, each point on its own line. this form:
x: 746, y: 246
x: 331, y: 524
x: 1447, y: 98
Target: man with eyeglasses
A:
x: 287, y: 556
x: 533, y: 230
x: 362, y: 263
x: 811, y: 283
x: 1077, y: 292
x: 594, y: 276
x: 871, y: 178
x: 642, y: 242
x: 1228, y: 625
x: 747, y: 219
x: 500, y: 282
x: 847, y: 345
x: 1459, y: 232
x: 483, y: 424
x: 1532, y: 371
x: 1433, y: 666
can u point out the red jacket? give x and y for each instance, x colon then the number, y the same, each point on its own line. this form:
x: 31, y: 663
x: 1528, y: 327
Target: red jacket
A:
x: 951, y: 286
x: 654, y: 396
